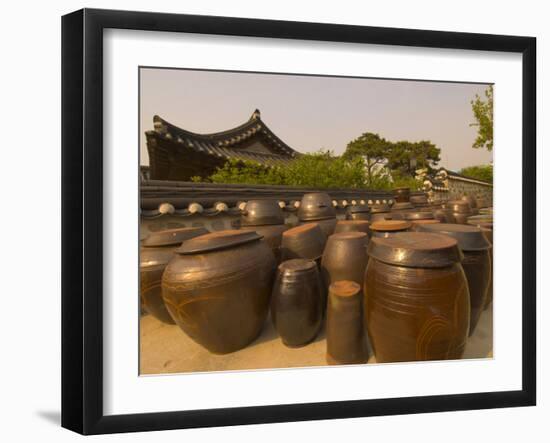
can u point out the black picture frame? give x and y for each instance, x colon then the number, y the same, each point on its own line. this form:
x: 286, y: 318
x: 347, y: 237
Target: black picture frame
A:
x: 82, y: 218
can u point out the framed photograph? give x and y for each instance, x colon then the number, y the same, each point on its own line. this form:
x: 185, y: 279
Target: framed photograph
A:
x: 269, y: 221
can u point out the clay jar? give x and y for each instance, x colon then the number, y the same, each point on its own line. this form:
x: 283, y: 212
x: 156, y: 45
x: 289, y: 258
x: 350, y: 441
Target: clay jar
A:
x: 156, y: 251
x: 217, y: 288
x: 380, y: 212
x: 420, y: 217
x: 385, y: 228
x: 419, y: 200
x: 346, y: 340
x: 317, y: 206
x: 485, y: 223
x: 358, y: 212
x: 267, y: 219
x: 472, y: 202
x: 461, y: 210
x: 296, y: 303
x: 416, y: 303
x: 402, y: 194
x: 444, y: 215
x: 476, y: 262
x: 399, y: 210
x: 345, y: 257
x: 304, y: 241
x: 352, y: 226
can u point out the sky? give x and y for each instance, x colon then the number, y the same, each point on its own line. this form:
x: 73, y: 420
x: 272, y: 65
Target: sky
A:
x: 313, y: 112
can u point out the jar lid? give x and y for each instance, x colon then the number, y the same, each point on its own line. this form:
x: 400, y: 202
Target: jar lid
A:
x: 415, y: 249
x: 344, y: 288
x: 172, y: 237
x: 217, y: 240
x: 399, y: 206
x: 420, y: 215
x: 469, y: 238
x: 390, y: 225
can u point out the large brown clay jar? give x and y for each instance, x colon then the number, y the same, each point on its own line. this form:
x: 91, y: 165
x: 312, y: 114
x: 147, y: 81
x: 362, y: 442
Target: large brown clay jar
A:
x: 476, y: 262
x: 217, y: 288
x: 156, y: 251
x: 296, y: 303
x: 345, y: 257
x: 485, y: 223
x: 417, y: 305
x: 346, y: 338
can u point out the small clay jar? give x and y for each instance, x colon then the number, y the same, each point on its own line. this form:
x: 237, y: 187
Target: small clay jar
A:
x: 416, y: 303
x: 346, y: 338
x: 402, y: 194
x: 386, y: 228
x: 352, y: 226
x: 419, y: 200
x: 345, y: 257
x: 217, y: 288
x: 476, y: 262
x: 156, y: 251
x: 296, y: 302
x: 304, y: 241
x: 461, y: 210
x: 316, y: 206
x: 358, y: 212
x: 261, y: 213
x: 444, y: 215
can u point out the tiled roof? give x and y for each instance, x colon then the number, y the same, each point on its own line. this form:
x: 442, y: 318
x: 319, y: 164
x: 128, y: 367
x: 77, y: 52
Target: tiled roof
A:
x: 167, y: 138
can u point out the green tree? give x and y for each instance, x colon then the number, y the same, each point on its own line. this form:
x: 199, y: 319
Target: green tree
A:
x: 405, y: 157
x: 480, y: 172
x: 374, y: 150
x: 320, y: 169
x: 483, y: 114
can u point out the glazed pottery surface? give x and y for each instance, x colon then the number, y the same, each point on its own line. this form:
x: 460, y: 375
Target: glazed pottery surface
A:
x: 346, y: 339
x: 358, y: 212
x: 156, y: 251
x: 417, y: 304
x: 273, y: 236
x: 296, y: 303
x: 352, y: 226
x: 476, y: 263
x: 419, y: 200
x: 444, y: 215
x: 345, y: 257
x: 304, y: 241
x: 261, y: 213
x: 328, y: 225
x: 316, y: 206
x: 217, y: 288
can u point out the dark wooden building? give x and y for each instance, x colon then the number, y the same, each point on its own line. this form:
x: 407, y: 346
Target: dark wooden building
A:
x: 177, y: 154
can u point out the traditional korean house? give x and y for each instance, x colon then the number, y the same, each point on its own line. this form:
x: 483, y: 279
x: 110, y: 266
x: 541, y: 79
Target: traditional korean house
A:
x: 177, y: 154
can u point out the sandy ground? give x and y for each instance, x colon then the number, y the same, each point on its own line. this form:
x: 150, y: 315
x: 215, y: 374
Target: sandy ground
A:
x: 167, y: 349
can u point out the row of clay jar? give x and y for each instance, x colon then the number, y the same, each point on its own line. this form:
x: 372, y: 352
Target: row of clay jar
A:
x: 217, y: 286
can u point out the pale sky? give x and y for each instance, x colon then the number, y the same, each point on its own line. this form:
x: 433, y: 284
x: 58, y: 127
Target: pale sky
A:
x: 309, y: 113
